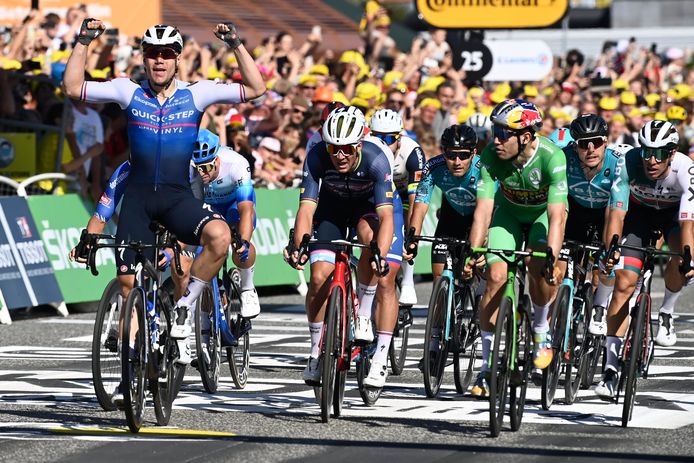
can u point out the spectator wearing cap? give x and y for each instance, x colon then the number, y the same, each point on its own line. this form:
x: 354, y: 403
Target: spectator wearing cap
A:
x: 307, y: 86
x: 275, y: 171
x: 677, y: 116
x: 608, y: 105
x: 445, y: 94
x: 237, y: 139
x: 530, y: 93
x: 395, y: 100
x: 619, y: 133
x: 628, y: 101
x: 300, y: 111
x: 322, y: 97
x: 368, y: 93
x: 424, y: 120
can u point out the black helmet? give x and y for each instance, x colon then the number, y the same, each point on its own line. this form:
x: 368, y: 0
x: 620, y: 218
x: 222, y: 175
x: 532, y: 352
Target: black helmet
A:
x: 588, y: 126
x: 459, y: 136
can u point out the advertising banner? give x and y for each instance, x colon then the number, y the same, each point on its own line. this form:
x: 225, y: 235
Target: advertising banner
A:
x: 492, y: 14
x: 60, y: 220
x: 17, y: 155
x: 528, y: 60
x: 26, y: 275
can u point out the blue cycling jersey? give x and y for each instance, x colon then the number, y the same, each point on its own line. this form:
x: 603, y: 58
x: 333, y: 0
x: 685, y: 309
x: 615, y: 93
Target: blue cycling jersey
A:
x: 460, y: 192
x: 597, y: 192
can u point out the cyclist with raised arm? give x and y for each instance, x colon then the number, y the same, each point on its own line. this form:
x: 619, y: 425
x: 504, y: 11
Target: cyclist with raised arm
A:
x: 656, y: 188
x: 531, y: 195
x: 387, y: 125
x: 163, y: 118
x: 353, y: 178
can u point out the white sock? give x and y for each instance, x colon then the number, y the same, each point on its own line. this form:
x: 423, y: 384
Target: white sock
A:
x: 613, y: 344
x: 602, y: 294
x: 487, y: 339
x: 195, y: 287
x: 366, y: 295
x: 669, y: 301
x: 315, y: 329
x: 381, y: 354
x: 407, y: 274
x: 540, y: 324
x: 247, y: 278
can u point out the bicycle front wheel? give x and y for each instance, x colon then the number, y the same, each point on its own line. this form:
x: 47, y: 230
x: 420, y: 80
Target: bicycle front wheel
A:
x: 106, y: 364
x: 330, y: 346
x: 208, y: 345
x: 557, y: 328
x: 468, y: 336
x: 435, y: 346
x: 577, y: 343
x: 134, y: 360
x: 524, y: 362
x: 500, y: 361
x: 239, y: 355
x: 635, y: 349
x: 162, y: 386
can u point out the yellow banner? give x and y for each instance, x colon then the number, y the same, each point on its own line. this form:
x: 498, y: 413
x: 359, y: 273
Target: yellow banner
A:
x: 492, y: 14
x: 17, y: 155
x: 132, y: 17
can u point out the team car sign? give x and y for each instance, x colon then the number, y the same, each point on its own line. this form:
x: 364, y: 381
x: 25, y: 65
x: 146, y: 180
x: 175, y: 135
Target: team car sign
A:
x: 492, y: 14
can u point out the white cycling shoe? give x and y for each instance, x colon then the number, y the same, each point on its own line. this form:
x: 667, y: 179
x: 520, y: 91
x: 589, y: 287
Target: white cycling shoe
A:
x: 184, y: 354
x: 377, y: 375
x: 408, y: 295
x: 362, y: 329
x: 250, y: 305
x: 312, y: 372
x: 182, y: 327
x: 666, y: 336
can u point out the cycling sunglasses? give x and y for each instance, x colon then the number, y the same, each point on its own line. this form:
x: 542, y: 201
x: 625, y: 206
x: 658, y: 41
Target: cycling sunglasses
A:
x: 660, y: 154
x: 164, y: 52
x: 388, y: 138
x: 206, y: 167
x: 502, y: 133
x: 584, y: 143
x: 452, y: 155
x: 344, y: 150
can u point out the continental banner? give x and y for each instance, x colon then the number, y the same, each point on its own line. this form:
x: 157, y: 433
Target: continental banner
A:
x: 60, y: 220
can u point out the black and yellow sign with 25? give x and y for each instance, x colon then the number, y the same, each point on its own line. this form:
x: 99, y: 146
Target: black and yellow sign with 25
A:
x: 492, y: 14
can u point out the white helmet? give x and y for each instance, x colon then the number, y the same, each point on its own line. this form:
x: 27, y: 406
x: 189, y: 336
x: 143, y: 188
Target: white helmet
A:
x: 482, y: 126
x: 163, y: 36
x: 659, y: 134
x: 386, y: 121
x: 622, y: 148
x: 344, y: 126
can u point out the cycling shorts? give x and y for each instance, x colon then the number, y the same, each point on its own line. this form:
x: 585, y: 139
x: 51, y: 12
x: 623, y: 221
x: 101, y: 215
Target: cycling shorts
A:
x: 579, y: 220
x: 173, y: 206
x: 451, y: 224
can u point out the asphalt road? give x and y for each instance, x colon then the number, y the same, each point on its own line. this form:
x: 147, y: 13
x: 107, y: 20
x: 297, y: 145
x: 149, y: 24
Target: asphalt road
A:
x: 48, y: 411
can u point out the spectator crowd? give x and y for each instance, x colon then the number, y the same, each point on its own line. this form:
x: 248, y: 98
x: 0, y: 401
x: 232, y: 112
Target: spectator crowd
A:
x: 627, y: 84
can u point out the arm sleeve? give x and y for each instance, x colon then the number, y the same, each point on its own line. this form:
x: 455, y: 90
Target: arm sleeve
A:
x: 382, y: 176
x: 619, y: 191
x: 245, y: 191
x: 558, y: 185
x: 685, y: 177
x: 115, y: 91
x: 207, y: 92
x: 414, y: 166
x: 425, y: 187
x: 312, y: 172
x: 113, y: 193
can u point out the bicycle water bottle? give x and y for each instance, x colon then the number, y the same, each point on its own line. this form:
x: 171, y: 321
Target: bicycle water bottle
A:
x: 153, y: 324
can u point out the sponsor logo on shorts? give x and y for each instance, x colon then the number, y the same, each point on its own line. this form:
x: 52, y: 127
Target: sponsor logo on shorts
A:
x: 123, y: 268
x: 683, y: 215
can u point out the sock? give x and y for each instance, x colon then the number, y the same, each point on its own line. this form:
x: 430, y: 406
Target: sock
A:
x: 315, y: 329
x: 602, y: 294
x: 247, y: 278
x: 540, y: 324
x: 613, y: 344
x: 669, y: 301
x: 381, y: 354
x: 487, y: 339
x: 195, y: 287
x: 407, y: 274
x: 366, y: 295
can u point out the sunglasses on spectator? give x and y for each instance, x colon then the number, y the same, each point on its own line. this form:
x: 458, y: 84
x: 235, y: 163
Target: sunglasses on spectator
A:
x: 502, y: 133
x: 341, y: 150
x: 597, y: 142
x: 303, y: 112
x: 206, y: 167
x: 395, y: 102
x: 660, y: 154
x: 164, y: 52
x: 452, y: 155
x: 308, y: 86
x: 388, y: 138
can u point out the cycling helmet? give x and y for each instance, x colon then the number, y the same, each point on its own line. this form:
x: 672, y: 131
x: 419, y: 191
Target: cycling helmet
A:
x: 481, y: 125
x: 518, y: 115
x: 344, y: 126
x: 621, y: 148
x: 676, y: 113
x: 330, y: 107
x: 386, y: 121
x: 459, y: 136
x: 206, y: 147
x: 163, y: 36
x: 659, y: 134
x: 561, y: 137
x: 588, y: 126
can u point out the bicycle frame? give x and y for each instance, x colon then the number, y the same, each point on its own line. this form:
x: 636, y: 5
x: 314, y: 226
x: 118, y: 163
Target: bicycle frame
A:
x: 342, y: 278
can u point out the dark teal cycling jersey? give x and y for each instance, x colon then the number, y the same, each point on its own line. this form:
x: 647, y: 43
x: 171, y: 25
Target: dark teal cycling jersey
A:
x: 460, y: 192
x: 596, y: 192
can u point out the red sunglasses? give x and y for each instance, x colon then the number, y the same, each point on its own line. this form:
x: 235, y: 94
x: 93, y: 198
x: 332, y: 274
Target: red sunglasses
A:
x: 164, y: 52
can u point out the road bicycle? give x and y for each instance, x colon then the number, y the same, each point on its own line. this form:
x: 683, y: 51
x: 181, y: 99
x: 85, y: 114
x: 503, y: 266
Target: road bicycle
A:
x: 145, y: 322
x: 452, y: 325
x: 638, y: 347
x: 106, y: 366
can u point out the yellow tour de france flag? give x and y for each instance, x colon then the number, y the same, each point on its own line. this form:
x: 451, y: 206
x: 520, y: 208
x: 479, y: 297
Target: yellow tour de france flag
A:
x: 492, y: 14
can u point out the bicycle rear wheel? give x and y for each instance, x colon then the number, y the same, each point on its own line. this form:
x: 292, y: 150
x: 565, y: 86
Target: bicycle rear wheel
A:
x: 398, y: 347
x: 208, y: 345
x: 635, y: 348
x: 135, y: 365
x: 106, y: 363
x: 577, y: 343
x: 239, y: 355
x: 330, y: 357
x: 557, y: 327
x: 524, y: 363
x: 500, y: 359
x: 468, y: 335
x: 435, y: 346
x: 162, y: 387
